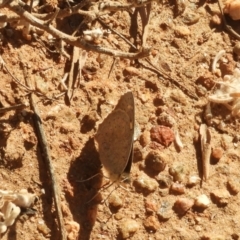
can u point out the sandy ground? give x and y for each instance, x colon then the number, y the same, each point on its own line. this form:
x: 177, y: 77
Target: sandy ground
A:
x: 159, y: 201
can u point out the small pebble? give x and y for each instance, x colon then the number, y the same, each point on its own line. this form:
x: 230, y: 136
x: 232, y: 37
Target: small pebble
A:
x: 233, y: 9
x: 227, y: 68
x: 165, y: 181
x: 193, y: 180
x: 72, y: 229
x: 180, y: 6
x: 54, y: 112
x: 202, y: 201
x: 151, y: 223
x: 165, y: 212
x: 217, y: 153
x: 220, y: 196
x: 166, y: 120
x: 138, y: 154
x: 119, y: 216
x: 164, y: 192
x: 216, y: 20
x: 198, y: 228
x: 182, y: 31
x: 233, y: 185
x: 41, y: 85
x: 156, y: 161
x: 42, y: 228
x: 66, y: 127
x: 145, y: 138
x: 132, y: 71
x: 150, y: 205
x: 235, y: 236
x: 163, y: 135
x: 177, y: 188
x: 201, y: 91
x: 128, y: 227
x: 190, y: 17
x: 177, y: 172
x: 154, y: 52
x: 182, y: 205
x: 115, y: 201
x: 144, y: 96
x: 179, y: 96
x: 146, y: 183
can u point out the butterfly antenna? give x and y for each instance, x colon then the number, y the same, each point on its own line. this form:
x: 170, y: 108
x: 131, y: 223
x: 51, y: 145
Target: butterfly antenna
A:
x: 122, y: 181
x: 100, y: 190
x: 90, y: 177
x: 92, y: 197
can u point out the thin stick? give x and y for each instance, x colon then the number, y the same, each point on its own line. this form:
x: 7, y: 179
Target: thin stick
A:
x: 75, y: 41
x: 166, y: 76
x: 3, y: 64
x: 71, y: 79
x: 114, y: 31
x: 228, y: 28
x: 18, y: 106
x: 81, y: 63
x: 112, y: 66
x: 53, y: 17
x: 46, y: 156
x: 145, y: 16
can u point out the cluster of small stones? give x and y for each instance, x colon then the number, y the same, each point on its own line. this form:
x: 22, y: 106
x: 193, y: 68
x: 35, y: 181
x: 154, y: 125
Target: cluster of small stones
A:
x: 172, y: 181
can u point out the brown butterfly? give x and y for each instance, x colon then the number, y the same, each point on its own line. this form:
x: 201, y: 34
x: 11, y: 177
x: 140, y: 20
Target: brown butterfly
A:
x: 114, y: 139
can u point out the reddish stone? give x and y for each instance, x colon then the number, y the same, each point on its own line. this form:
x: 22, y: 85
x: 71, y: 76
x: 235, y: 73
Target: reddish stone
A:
x: 156, y: 146
x: 151, y: 223
x: 163, y: 135
x: 217, y: 153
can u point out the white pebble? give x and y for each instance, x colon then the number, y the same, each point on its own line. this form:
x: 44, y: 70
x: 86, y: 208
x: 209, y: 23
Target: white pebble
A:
x: 128, y: 227
x: 146, y: 183
x: 115, y: 201
x: 193, y: 180
x: 202, y: 201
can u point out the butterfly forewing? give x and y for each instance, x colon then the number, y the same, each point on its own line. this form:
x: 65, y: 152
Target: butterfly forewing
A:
x: 114, y: 138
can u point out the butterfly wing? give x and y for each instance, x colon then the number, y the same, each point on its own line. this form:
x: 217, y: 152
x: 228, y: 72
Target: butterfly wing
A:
x: 114, y: 142
x: 126, y: 103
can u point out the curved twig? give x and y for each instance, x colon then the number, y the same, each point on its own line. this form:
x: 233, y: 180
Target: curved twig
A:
x: 74, y: 41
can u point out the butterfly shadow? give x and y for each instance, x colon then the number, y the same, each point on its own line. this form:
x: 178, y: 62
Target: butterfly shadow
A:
x: 84, y: 187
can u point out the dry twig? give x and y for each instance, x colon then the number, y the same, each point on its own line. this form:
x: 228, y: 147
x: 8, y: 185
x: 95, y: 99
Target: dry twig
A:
x: 48, y: 161
x: 71, y: 80
x: 167, y: 77
x: 75, y: 41
x: 228, y: 28
x: 46, y: 155
x: 18, y: 106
